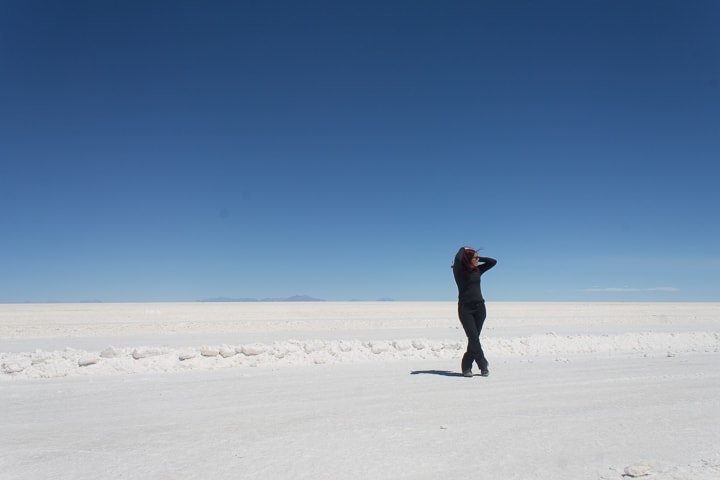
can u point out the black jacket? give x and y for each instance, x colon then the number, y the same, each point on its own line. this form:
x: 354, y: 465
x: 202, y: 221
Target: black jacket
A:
x: 469, y: 283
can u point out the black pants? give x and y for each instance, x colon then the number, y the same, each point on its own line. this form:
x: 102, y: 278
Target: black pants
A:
x: 472, y: 317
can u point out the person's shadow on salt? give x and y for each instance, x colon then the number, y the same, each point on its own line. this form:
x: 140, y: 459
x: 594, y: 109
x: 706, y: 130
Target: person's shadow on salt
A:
x: 444, y: 373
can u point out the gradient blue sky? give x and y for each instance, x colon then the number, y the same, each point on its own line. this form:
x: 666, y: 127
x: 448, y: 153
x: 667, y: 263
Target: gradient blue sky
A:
x: 180, y: 150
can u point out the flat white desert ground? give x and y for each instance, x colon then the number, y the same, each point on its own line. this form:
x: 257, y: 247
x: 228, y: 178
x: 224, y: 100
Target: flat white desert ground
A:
x: 358, y: 390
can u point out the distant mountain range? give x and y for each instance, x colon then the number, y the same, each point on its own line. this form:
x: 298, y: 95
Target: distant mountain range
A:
x: 295, y: 298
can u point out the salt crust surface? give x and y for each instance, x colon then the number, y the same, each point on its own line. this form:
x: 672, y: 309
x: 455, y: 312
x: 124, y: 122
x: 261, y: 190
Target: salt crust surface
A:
x: 357, y: 391
x: 329, y: 332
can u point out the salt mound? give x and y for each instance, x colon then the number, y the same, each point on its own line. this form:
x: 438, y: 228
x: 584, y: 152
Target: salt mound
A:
x: 638, y: 470
x: 39, y: 364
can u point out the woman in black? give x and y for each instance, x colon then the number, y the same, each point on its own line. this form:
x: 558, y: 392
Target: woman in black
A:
x: 467, y: 269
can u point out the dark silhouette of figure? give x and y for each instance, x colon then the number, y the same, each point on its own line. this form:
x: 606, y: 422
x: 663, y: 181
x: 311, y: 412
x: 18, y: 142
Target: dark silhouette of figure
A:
x: 468, y: 267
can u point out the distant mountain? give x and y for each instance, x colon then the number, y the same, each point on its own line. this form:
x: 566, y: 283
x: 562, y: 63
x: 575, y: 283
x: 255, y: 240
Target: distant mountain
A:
x: 295, y: 298
x: 229, y: 299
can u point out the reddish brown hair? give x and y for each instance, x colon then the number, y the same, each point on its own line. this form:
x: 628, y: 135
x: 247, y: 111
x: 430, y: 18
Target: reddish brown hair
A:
x: 467, y: 260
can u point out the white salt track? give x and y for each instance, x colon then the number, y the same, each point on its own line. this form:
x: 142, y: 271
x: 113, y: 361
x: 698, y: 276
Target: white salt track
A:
x: 358, y: 391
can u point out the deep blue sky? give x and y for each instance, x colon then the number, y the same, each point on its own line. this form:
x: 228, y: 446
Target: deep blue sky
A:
x: 178, y: 150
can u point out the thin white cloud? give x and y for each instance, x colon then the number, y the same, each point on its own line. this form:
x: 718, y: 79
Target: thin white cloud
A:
x: 629, y: 289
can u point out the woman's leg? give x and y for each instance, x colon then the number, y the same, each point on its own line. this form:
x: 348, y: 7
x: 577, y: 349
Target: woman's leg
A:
x: 480, y: 359
x: 469, y: 320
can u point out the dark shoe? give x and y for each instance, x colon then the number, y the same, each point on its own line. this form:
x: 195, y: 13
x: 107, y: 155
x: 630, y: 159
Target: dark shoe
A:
x: 484, y: 373
x: 467, y: 373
